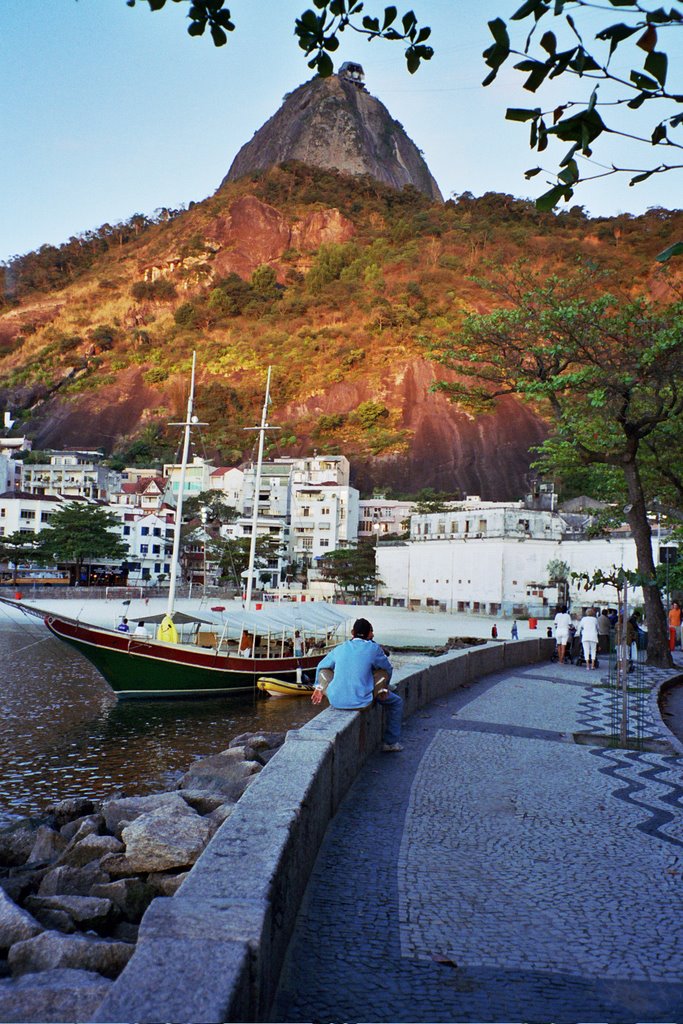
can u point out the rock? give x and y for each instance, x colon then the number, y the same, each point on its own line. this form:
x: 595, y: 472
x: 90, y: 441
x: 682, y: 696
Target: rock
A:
x: 15, y: 924
x: 224, y: 774
x: 55, y: 921
x: 88, y: 911
x: 68, y: 881
x: 126, y: 931
x: 63, y: 994
x: 17, y: 841
x: 201, y: 802
x: 166, y: 885
x: 22, y: 881
x: 126, y: 809
x: 84, y: 952
x: 221, y: 814
x: 258, y: 740
x: 165, y: 838
x: 66, y: 810
x: 131, y: 896
x: 81, y: 827
x: 90, y: 847
x: 47, y: 846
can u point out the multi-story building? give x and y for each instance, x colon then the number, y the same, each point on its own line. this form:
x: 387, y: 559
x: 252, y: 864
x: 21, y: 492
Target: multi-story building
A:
x: 382, y: 517
x: 73, y: 474
x: 146, y: 493
x: 274, y: 488
x: 230, y: 482
x: 26, y: 513
x: 197, y: 477
x: 149, y: 536
x: 324, y: 508
x: 274, y: 573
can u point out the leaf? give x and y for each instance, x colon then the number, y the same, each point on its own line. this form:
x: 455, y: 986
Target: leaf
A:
x: 521, y: 114
x: 659, y: 135
x: 642, y: 177
x: 648, y: 40
x: 499, y: 32
x: 535, y: 7
x: 673, y: 250
x: 657, y: 64
x: 532, y: 172
x: 642, y: 82
x: 390, y: 14
x: 549, y: 43
x: 550, y: 199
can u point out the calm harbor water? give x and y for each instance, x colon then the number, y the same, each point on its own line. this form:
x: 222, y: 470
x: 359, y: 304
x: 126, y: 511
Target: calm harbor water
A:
x: 64, y: 734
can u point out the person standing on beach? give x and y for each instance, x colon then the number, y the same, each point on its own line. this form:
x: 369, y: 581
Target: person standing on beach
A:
x: 353, y: 684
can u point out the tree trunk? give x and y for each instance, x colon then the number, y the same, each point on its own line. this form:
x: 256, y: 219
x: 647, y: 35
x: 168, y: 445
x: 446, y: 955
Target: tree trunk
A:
x: 658, y: 653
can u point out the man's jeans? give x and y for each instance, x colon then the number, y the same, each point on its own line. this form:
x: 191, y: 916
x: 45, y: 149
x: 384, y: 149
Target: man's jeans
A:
x: 393, y: 713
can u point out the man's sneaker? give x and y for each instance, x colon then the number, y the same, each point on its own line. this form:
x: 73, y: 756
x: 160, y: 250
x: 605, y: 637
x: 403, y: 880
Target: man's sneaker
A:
x: 391, y: 748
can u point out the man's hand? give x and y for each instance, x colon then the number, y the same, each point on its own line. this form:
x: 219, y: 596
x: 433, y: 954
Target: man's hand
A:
x: 316, y: 696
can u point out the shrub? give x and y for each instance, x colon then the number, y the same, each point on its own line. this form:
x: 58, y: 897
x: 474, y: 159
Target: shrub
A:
x: 186, y: 315
x: 155, y: 291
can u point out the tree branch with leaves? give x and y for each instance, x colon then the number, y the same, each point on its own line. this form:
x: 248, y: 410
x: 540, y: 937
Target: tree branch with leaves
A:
x: 583, y: 123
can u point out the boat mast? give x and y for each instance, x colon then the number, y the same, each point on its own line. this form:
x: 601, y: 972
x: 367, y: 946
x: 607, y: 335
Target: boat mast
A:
x: 190, y: 421
x: 257, y: 487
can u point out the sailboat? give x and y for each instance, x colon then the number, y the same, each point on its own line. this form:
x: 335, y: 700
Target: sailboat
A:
x: 199, y: 656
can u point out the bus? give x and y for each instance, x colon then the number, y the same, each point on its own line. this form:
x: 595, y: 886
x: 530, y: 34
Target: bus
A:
x: 34, y: 577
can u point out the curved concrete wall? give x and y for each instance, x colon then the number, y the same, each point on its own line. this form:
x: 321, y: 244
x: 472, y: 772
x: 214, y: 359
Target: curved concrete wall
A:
x: 213, y: 952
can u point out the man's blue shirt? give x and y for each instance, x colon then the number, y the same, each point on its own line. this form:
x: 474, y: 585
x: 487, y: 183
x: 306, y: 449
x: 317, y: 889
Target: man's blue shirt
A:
x: 353, y: 663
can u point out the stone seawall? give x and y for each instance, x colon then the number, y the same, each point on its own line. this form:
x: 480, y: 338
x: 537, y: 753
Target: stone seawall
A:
x: 214, y: 950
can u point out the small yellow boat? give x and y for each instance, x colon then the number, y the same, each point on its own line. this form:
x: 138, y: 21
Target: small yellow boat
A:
x: 283, y: 687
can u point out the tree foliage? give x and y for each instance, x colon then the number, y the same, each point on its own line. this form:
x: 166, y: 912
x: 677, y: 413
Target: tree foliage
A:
x: 607, y: 371
x: 318, y: 30
x: 636, y: 41
x: 80, y: 533
x: 17, y: 548
x: 352, y: 569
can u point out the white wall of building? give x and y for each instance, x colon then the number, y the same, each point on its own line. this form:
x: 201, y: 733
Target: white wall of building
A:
x: 494, y: 576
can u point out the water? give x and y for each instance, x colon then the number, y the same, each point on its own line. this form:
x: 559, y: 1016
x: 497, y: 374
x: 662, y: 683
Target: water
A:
x: 64, y: 734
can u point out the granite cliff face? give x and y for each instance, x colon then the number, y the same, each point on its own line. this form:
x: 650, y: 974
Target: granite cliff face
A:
x: 335, y: 123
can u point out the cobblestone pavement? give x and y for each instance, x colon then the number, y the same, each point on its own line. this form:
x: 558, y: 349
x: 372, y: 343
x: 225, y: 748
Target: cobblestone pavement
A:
x: 498, y: 871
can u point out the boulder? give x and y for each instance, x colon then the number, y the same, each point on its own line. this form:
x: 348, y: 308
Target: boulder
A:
x: 47, y: 846
x: 66, y: 810
x: 90, y: 847
x: 127, y: 809
x: 226, y: 774
x: 17, y: 841
x: 84, y: 952
x: 81, y: 827
x: 201, y: 802
x: 86, y: 911
x: 63, y: 994
x: 165, y: 838
x: 15, y: 924
x: 131, y: 896
x: 55, y: 920
x: 68, y: 881
x: 166, y: 885
x: 258, y: 740
x: 221, y: 814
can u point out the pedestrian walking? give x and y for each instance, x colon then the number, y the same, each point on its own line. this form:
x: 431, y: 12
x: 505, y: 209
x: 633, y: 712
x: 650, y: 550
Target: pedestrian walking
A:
x: 588, y: 628
x: 604, y: 628
x: 563, y: 621
x: 514, y: 632
x: 353, y: 686
x: 675, y: 622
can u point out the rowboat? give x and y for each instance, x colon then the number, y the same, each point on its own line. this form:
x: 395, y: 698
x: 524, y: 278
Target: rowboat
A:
x: 284, y: 687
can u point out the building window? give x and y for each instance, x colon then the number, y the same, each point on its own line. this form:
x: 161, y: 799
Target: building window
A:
x: 126, y: 531
x: 324, y: 543
x: 144, y: 530
x: 156, y: 531
x: 45, y: 517
x: 144, y: 548
x: 26, y: 514
x: 156, y: 549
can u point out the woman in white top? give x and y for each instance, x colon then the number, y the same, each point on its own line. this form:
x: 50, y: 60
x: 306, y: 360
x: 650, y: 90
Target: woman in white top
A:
x: 563, y: 621
x: 588, y: 627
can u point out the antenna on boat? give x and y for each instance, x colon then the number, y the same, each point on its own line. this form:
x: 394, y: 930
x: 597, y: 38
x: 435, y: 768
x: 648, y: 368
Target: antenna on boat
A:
x: 190, y: 422
x: 257, y: 487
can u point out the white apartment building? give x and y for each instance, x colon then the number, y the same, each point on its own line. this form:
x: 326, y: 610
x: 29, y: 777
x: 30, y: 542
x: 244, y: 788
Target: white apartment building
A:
x: 26, y: 513
x: 149, y: 536
x: 274, y: 573
x: 73, y: 474
x: 381, y: 517
x: 230, y: 481
x: 324, y: 518
x: 7, y: 474
x: 274, y: 488
x: 197, y: 477
x: 146, y: 493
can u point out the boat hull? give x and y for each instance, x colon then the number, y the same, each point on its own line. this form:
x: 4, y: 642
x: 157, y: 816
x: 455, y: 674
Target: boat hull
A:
x: 137, y: 668
x: 284, y: 687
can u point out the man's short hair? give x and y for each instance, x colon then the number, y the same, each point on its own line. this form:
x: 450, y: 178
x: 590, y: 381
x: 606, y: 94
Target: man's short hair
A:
x: 362, y: 628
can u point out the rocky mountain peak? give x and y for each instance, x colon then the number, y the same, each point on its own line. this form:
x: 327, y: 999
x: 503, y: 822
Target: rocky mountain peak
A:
x: 335, y: 123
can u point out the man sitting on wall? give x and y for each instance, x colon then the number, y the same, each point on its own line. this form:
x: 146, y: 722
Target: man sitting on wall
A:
x: 353, y: 685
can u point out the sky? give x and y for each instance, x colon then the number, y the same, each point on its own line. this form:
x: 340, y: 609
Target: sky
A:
x: 109, y: 111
